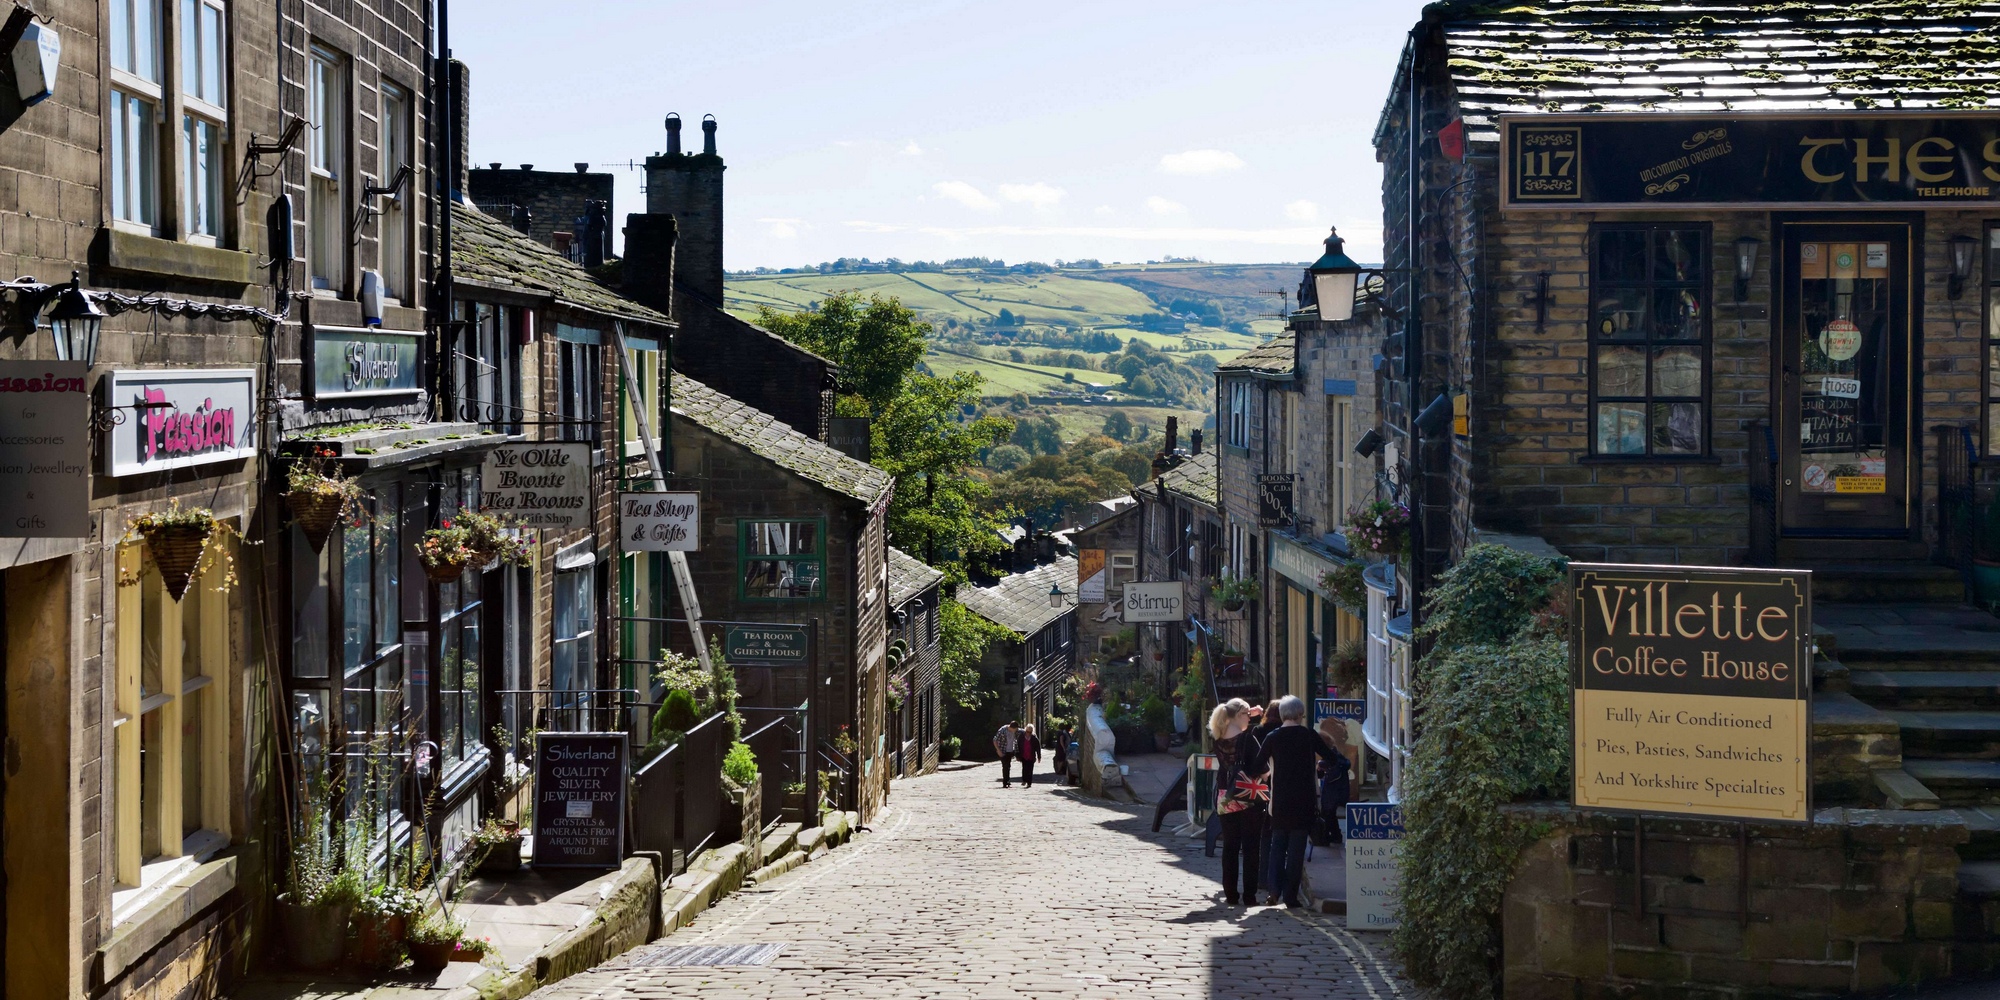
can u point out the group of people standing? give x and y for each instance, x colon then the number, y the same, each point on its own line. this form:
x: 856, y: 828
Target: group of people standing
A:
x: 1268, y: 797
x: 1017, y: 743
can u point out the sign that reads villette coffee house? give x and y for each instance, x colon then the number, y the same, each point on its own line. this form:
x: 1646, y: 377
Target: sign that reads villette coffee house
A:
x: 1692, y: 690
x: 1882, y: 159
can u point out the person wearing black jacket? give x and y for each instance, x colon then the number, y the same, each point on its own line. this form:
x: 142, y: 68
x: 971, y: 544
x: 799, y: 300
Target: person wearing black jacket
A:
x: 1265, y: 721
x: 1288, y: 755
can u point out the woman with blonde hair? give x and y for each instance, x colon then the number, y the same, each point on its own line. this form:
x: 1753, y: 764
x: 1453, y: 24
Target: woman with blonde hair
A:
x: 1242, y: 816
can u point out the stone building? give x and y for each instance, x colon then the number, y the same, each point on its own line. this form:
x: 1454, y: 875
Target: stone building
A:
x: 916, y: 666
x: 568, y: 212
x: 1107, y: 553
x: 1180, y: 538
x: 1038, y: 605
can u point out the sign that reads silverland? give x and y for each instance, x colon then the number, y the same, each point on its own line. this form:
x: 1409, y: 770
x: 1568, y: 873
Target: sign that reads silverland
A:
x: 1692, y: 690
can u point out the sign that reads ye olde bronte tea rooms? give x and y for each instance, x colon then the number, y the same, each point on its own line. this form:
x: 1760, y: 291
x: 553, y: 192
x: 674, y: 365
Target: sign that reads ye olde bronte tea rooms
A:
x: 1692, y: 690
x: 538, y: 485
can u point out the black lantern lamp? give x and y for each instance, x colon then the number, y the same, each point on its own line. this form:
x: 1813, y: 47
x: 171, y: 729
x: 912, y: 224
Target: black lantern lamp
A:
x: 75, y: 323
x: 1058, y: 598
x: 1747, y: 249
x: 1962, y: 252
x: 1335, y: 277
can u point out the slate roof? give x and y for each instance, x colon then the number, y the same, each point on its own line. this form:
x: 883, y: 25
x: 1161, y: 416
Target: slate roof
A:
x: 486, y: 251
x: 1021, y: 601
x: 1716, y: 56
x: 765, y: 435
x: 1273, y: 357
x: 1194, y: 478
x: 909, y: 576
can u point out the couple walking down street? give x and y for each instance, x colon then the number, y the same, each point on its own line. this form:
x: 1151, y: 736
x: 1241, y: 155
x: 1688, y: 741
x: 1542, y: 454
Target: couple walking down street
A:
x: 1014, y: 743
x: 1268, y: 796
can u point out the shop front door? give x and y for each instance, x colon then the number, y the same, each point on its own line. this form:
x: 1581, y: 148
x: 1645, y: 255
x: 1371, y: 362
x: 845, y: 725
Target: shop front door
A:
x: 1843, y: 358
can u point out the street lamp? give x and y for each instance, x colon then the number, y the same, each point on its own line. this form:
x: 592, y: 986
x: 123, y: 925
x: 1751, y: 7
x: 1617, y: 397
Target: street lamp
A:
x: 1335, y: 276
x: 1058, y: 598
x: 1747, y: 248
x: 1962, y: 247
x: 75, y: 322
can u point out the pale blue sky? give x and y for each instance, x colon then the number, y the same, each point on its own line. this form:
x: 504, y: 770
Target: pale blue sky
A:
x: 925, y: 129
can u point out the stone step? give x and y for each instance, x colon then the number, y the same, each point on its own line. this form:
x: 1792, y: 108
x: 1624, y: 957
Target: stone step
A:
x: 1979, y: 880
x: 1907, y: 636
x: 1900, y: 790
x: 1959, y: 782
x: 1957, y: 735
x: 1983, y: 823
x: 1926, y: 688
x: 1913, y: 582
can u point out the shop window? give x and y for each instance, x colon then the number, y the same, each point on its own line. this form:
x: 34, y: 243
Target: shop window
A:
x: 373, y: 712
x: 580, y: 372
x: 171, y: 724
x: 575, y: 628
x: 1649, y: 371
x: 395, y: 223
x: 138, y: 92
x: 459, y: 731
x: 782, y: 560
x: 204, y: 119
x: 326, y: 147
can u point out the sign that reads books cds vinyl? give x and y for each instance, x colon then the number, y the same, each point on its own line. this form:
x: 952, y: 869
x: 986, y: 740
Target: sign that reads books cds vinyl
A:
x: 1692, y: 689
x: 175, y: 418
x: 1163, y: 601
x: 659, y: 522
x: 539, y: 485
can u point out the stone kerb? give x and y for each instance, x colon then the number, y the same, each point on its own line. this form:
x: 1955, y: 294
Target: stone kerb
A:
x: 1859, y: 900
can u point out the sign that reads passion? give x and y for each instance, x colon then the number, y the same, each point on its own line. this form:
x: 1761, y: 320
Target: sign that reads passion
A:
x: 579, y: 800
x: 1882, y: 159
x: 180, y: 417
x: 44, y: 449
x: 540, y: 485
x: 1164, y: 601
x: 1692, y: 689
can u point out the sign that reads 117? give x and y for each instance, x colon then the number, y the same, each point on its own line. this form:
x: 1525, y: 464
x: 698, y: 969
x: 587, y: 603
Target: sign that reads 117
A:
x: 1692, y: 690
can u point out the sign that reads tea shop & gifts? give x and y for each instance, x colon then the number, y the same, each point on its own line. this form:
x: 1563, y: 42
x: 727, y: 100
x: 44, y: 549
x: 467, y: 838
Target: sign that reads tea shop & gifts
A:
x: 1692, y: 689
x: 539, y: 485
x: 579, y: 800
x: 659, y: 522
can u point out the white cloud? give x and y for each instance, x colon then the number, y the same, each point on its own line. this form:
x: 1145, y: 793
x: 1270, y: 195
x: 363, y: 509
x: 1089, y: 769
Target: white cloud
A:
x: 1181, y: 235
x: 1162, y: 206
x: 1037, y: 194
x: 783, y: 229
x: 1105, y: 210
x: 912, y: 149
x: 965, y: 194
x: 1302, y: 211
x: 1201, y: 161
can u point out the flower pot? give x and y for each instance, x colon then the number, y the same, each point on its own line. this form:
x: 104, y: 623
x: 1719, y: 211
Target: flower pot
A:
x: 376, y: 936
x: 447, y: 569
x: 315, y: 936
x: 316, y: 514
x: 463, y: 952
x: 1162, y: 741
x: 430, y: 957
x: 501, y: 858
x: 1232, y: 606
x: 175, y: 550
x: 1986, y: 581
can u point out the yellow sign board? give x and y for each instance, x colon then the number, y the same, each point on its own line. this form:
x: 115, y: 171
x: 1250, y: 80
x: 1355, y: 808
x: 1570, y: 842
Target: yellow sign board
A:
x: 1692, y: 690
x: 1860, y: 484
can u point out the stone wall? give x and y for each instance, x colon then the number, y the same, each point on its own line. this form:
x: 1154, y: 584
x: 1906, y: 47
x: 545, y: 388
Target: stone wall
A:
x: 1861, y: 900
x: 555, y: 199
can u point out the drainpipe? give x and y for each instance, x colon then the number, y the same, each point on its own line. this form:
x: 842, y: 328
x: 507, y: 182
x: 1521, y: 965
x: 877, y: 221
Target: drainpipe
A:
x: 1413, y: 333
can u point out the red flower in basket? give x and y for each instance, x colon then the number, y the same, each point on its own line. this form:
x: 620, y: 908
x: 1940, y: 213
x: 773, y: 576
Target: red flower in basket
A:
x: 1248, y: 788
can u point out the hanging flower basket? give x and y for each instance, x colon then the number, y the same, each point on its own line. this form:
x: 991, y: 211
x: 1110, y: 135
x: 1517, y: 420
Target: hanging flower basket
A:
x: 486, y: 535
x: 318, y: 498
x: 176, y: 539
x: 1381, y: 527
x: 445, y: 552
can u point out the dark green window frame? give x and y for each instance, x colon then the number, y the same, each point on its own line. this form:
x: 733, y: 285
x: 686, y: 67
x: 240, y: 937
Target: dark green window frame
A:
x: 1649, y: 366
x: 798, y: 567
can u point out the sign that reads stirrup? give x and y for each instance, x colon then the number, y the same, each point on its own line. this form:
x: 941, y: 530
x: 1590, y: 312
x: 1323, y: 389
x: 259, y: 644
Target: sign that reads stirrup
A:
x: 175, y: 418
x: 1164, y: 601
x: 659, y: 522
x: 540, y: 485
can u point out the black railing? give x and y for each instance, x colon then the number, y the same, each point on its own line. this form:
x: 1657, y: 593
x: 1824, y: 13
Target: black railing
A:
x: 677, y: 795
x: 600, y: 710
x: 1763, y: 496
x: 1958, y: 501
x: 780, y: 747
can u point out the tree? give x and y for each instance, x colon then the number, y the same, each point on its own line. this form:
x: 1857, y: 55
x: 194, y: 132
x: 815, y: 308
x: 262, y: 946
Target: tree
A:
x: 1007, y: 458
x: 1118, y: 425
x: 876, y: 341
x: 1006, y: 317
x: 937, y: 511
x: 962, y: 640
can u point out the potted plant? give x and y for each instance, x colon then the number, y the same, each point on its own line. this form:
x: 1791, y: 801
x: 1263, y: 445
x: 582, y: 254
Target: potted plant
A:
x: 1234, y: 592
x: 432, y: 940
x: 1158, y: 719
x: 317, y: 497
x: 467, y: 949
x: 486, y: 535
x: 498, y: 843
x: 445, y: 552
x: 1381, y: 527
x: 318, y: 899
x: 176, y: 538
x: 1349, y: 670
x: 1345, y: 586
x: 381, y: 918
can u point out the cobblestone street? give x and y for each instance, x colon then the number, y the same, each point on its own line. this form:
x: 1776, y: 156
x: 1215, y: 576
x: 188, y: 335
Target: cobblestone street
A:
x: 965, y: 889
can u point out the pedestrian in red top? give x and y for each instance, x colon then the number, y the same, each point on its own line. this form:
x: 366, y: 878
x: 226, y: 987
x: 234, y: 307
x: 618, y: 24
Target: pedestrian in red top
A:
x: 1031, y: 751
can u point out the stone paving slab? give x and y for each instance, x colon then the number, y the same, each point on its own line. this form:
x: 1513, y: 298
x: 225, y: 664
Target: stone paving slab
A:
x: 966, y: 890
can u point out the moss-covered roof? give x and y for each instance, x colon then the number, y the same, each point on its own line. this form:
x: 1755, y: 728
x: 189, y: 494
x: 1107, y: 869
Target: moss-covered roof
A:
x: 1717, y: 56
x: 1021, y: 601
x: 1273, y: 357
x: 909, y: 576
x: 777, y: 441
x: 488, y: 251
x: 1194, y: 478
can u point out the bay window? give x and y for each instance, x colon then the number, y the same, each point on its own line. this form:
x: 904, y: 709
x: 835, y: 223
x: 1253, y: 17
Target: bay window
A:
x: 575, y: 658
x: 460, y: 611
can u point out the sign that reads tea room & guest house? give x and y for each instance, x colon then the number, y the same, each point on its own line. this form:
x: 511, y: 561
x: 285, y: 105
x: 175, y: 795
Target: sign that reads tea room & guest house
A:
x: 538, y: 485
x: 1692, y: 689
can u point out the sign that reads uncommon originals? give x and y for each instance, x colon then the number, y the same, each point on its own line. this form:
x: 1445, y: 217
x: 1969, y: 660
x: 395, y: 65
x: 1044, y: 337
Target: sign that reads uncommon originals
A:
x: 539, y: 485
x: 1883, y: 159
x: 179, y: 417
x: 659, y: 522
x: 1153, y: 602
x: 1692, y: 689
x: 350, y: 361
x: 579, y: 800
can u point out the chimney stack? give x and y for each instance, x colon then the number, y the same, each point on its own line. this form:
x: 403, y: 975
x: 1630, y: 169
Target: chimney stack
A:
x: 708, y: 135
x: 688, y: 188
x: 1194, y: 440
x: 1173, y: 436
x: 460, y: 81
x: 673, y: 133
x: 524, y: 220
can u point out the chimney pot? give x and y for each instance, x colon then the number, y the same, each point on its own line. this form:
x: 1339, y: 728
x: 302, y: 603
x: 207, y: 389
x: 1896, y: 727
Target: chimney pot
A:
x: 1173, y: 435
x: 527, y: 166
x: 1194, y: 440
x: 495, y: 166
x: 583, y: 168
x: 673, y: 134
x: 708, y: 135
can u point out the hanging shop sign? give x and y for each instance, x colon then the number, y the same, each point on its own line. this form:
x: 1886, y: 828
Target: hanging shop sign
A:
x: 1274, y: 499
x: 1374, y: 869
x: 850, y: 436
x: 352, y: 361
x: 1090, y: 576
x: 1883, y: 159
x: 580, y: 800
x: 659, y: 522
x: 1300, y: 565
x: 766, y: 645
x: 175, y: 418
x: 1692, y: 690
x: 538, y: 485
x: 1343, y: 709
x: 44, y: 449
x: 1153, y: 602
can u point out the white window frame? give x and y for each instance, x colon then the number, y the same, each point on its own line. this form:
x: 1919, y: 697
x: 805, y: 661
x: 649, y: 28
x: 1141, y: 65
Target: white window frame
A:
x: 327, y: 111
x: 1340, y: 416
x: 1239, y: 415
x: 136, y: 151
x: 143, y: 871
x: 397, y: 127
x: 203, y: 205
